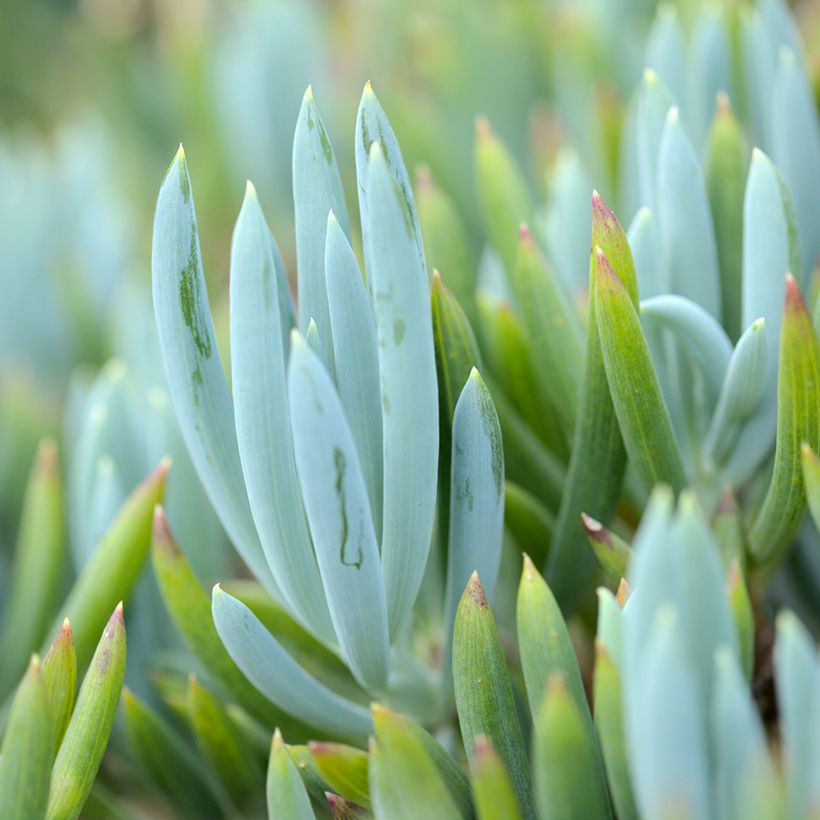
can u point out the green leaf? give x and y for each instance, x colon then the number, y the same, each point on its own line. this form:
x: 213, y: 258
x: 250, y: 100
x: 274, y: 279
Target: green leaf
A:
x: 355, y: 350
x: 344, y: 769
x: 196, y: 380
x: 811, y: 477
x: 502, y: 193
x: 278, y: 677
x: 798, y: 421
x: 726, y: 164
x: 636, y: 396
x: 529, y: 521
x: 728, y: 530
x: 408, y: 386
x: 86, y: 737
x: 477, y: 498
x: 60, y: 676
x: 118, y: 558
x: 220, y: 743
x: 611, y: 550
x: 317, y: 189
x: 552, y: 327
x: 34, y: 580
x: 484, y: 696
x: 287, y: 797
x: 339, y: 516
x: 446, y: 242
x: 27, y: 749
x: 169, y: 762
x: 598, y: 458
x: 744, y: 618
x: 609, y: 723
x: 262, y: 418
x: 404, y: 780
x: 564, y: 758
x: 190, y: 609
x: 494, y: 795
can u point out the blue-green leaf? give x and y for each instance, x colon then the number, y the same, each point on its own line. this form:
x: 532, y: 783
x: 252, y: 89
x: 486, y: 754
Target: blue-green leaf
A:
x: 355, y: 353
x: 339, y: 516
x: 286, y: 794
x: 196, y: 381
x: 409, y: 390
x: 262, y: 419
x: 278, y: 677
x: 665, y: 53
x: 317, y: 189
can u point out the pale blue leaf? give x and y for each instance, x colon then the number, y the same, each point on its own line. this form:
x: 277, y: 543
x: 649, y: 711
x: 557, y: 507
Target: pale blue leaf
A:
x: 409, y: 392
x: 796, y: 150
x: 476, y: 498
x: 262, y: 423
x: 698, y: 335
x: 196, y: 381
x: 746, y: 377
x: 665, y: 727
x: 779, y: 23
x: 355, y: 352
x: 759, y: 58
x: 339, y: 516
x: 317, y: 189
x: 642, y: 234
x: 107, y: 496
x: 372, y: 126
x: 687, y: 236
x: 797, y: 676
x: 769, y: 252
x: 278, y: 677
x: 654, y: 102
x: 746, y: 786
x: 665, y: 53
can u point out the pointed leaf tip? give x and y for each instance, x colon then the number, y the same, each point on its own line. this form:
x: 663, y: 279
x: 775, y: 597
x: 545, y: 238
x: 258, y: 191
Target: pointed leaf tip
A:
x: 476, y: 591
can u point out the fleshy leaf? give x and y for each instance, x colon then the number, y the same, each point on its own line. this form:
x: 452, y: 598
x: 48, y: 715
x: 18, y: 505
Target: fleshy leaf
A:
x: 287, y: 797
x: 494, y: 795
x: 344, y: 769
x: 60, y: 676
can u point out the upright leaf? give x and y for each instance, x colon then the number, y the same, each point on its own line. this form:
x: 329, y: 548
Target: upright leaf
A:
x: 60, y: 676
x: 344, y: 769
x: 494, y: 795
x: 287, y: 797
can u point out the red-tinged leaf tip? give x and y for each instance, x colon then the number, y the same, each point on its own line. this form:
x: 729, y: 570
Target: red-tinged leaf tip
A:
x: 524, y: 234
x: 606, y: 273
x: 596, y: 530
x: 482, y: 746
x: 794, y: 299
x: 117, y: 616
x: 623, y: 592
x: 483, y: 129
x: 475, y: 591
x: 65, y: 629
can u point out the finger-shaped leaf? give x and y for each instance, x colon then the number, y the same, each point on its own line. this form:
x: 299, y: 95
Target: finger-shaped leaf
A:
x: 743, y: 615
x: 759, y: 58
x: 221, y: 744
x: 189, y: 608
x: 797, y: 671
x: 355, y: 352
x: 339, y: 516
x: 529, y: 521
x: 317, y: 189
x: 598, y: 456
x: 60, y: 676
x: 34, y: 581
x: 811, y: 477
x: 665, y: 51
x: 688, y: 249
x: 494, y: 795
x: 408, y: 386
x: 609, y: 634
x: 477, y: 497
x: 446, y: 242
x: 372, y: 126
x: 642, y: 414
x: 169, y: 762
x: 745, y: 781
x: 743, y: 385
x: 344, y: 769
x: 118, y: 559
x: 609, y: 723
x: 654, y: 102
x: 728, y: 530
x: 262, y: 419
x: 277, y: 676
x: 502, y: 193
x: 552, y: 328
x: 484, y: 697
x: 798, y: 421
x: 699, y: 336
x: 404, y: 780
x: 86, y: 737
x: 196, y: 381
x: 564, y: 755
x: 726, y: 165
x: 796, y: 150
x: 27, y: 749
x: 641, y: 233
x: 612, y: 552
x: 287, y: 797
